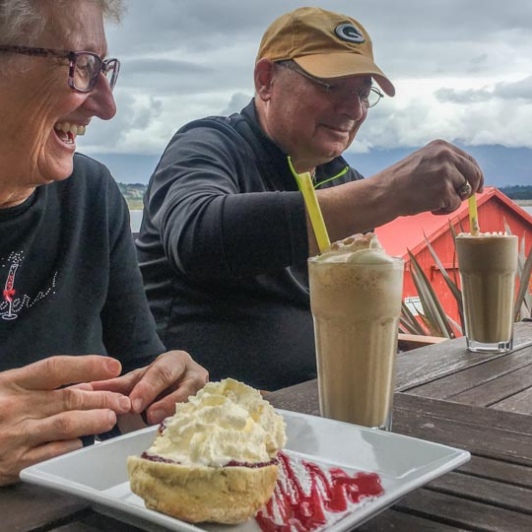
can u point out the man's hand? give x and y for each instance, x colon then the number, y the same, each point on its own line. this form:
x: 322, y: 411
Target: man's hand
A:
x: 170, y: 379
x: 435, y: 178
x: 44, y: 411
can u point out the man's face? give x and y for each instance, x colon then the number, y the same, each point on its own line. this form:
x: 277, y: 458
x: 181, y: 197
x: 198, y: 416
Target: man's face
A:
x: 39, y: 109
x: 309, y: 122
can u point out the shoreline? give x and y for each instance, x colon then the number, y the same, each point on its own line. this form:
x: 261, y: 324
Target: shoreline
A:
x: 137, y: 204
x: 135, y: 211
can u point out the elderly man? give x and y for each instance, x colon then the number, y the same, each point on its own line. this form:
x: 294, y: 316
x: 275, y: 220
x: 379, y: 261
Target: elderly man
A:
x: 225, y: 237
x: 68, y: 271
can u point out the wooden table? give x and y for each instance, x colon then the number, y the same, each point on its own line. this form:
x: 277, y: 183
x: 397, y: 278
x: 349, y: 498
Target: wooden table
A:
x: 482, y: 403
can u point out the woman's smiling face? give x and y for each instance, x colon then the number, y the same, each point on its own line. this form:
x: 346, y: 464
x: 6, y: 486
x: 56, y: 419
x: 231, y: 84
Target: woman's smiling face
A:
x: 41, y: 114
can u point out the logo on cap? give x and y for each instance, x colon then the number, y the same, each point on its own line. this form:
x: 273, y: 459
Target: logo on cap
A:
x: 349, y: 33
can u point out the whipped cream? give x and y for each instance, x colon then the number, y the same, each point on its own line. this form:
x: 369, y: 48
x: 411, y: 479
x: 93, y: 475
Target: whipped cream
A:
x: 358, y: 248
x: 225, y: 421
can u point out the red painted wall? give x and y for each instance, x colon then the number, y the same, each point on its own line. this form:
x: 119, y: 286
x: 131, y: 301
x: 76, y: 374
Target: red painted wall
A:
x: 492, y: 214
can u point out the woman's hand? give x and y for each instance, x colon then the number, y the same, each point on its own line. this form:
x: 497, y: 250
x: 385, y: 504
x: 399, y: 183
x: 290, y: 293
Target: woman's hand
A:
x: 171, y: 378
x: 44, y: 410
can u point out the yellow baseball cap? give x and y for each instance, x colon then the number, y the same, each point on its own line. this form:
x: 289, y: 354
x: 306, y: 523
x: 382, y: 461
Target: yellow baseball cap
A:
x: 324, y: 44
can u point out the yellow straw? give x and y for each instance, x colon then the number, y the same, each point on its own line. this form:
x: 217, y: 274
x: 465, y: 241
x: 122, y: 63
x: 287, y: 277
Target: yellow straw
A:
x: 304, y: 182
x: 473, y: 215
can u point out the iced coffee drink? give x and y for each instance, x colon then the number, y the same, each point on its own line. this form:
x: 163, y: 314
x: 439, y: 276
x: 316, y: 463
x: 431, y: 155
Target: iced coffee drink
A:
x: 355, y: 295
x: 488, y: 265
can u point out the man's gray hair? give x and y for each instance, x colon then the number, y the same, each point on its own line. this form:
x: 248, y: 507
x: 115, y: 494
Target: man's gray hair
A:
x: 22, y: 21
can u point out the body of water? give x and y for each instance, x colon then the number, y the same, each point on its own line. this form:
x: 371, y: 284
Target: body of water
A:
x: 136, y: 219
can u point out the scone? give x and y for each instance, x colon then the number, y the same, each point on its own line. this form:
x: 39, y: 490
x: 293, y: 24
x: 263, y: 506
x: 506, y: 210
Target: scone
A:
x: 215, y: 459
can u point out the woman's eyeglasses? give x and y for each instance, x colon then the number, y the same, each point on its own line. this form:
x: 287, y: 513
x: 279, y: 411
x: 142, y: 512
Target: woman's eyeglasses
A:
x: 84, y: 67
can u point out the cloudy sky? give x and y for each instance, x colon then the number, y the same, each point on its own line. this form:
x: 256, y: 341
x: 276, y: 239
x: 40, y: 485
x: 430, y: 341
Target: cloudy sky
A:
x: 462, y: 69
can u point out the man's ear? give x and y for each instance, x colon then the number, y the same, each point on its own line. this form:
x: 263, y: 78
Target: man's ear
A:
x: 263, y: 76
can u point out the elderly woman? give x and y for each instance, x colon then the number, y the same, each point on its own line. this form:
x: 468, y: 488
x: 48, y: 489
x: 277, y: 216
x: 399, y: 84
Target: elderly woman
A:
x: 70, y: 287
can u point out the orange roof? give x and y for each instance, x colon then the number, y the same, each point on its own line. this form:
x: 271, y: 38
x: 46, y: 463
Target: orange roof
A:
x: 409, y: 232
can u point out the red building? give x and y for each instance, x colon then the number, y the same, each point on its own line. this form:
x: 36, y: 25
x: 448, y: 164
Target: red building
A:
x: 408, y: 233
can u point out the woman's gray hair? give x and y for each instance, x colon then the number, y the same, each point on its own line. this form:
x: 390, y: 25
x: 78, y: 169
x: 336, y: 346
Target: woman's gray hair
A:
x: 22, y: 21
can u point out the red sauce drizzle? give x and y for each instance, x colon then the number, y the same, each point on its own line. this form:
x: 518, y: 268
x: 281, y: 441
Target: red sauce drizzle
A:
x: 305, y: 510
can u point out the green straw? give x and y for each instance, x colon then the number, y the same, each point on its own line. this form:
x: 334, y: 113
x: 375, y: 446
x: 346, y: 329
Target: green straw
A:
x: 304, y: 183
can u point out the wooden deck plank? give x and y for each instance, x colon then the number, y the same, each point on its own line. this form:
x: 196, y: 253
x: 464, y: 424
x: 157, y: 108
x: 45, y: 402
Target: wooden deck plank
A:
x: 95, y: 522
x: 466, y: 414
x: 47, y: 507
x: 508, y: 438
x: 299, y: 398
x: 464, y: 513
x: 393, y: 520
x: 451, y: 385
x: 496, y: 390
x: 483, y: 490
x: 514, y: 474
x: 519, y: 403
x: 426, y: 364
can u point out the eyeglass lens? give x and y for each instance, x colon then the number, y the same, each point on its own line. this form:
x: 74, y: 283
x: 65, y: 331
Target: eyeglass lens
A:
x: 373, y: 97
x: 88, y: 68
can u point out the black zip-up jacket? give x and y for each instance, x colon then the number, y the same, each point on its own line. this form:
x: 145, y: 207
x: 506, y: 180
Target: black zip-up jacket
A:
x: 223, y: 249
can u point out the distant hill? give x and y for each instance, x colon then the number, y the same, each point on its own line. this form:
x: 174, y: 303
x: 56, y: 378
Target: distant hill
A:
x: 129, y: 168
x: 133, y: 192
x: 518, y: 192
x: 502, y: 166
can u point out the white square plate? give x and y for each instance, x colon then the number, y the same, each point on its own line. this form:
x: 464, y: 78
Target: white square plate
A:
x: 98, y: 473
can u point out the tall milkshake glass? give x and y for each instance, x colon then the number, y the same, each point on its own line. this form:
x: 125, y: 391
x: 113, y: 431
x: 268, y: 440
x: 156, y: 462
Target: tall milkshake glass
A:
x: 488, y: 266
x: 355, y: 294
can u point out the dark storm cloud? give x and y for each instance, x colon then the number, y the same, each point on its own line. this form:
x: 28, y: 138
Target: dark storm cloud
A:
x: 463, y: 96
x: 521, y: 89
x: 505, y: 91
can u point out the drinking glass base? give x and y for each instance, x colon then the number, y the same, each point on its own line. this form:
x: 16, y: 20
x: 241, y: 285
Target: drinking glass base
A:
x: 387, y: 426
x: 351, y: 419
x: 495, y: 347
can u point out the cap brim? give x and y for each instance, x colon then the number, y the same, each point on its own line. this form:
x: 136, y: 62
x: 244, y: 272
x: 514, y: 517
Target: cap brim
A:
x: 337, y: 65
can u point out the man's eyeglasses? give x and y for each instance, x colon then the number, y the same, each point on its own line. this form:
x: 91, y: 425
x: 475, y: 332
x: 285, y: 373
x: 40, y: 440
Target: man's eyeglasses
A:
x: 368, y: 96
x: 84, y: 67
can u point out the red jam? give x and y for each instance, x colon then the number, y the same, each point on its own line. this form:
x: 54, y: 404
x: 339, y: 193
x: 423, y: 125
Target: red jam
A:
x: 251, y: 465
x: 305, y: 510
x: 156, y: 458
x: 232, y: 463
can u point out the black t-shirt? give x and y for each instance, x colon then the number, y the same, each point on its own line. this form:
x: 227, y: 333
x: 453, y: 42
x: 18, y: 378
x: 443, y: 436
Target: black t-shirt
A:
x: 223, y: 249
x: 69, y: 278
